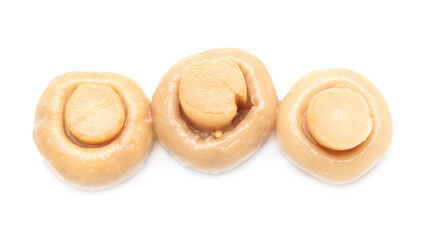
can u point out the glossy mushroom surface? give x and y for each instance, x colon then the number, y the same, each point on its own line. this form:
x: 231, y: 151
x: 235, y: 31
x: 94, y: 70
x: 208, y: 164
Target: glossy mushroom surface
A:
x: 334, y: 124
x: 93, y: 128
x: 216, y: 148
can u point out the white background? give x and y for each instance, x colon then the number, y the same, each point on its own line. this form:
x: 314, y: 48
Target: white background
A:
x: 267, y: 197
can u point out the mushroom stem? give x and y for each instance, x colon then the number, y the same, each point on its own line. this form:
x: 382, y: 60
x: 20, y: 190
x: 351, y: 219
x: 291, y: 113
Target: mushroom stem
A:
x: 339, y: 118
x: 211, y: 92
x: 94, y: 113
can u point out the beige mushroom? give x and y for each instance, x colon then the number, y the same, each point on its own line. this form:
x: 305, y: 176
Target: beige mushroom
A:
x: 94, y: 129
x: 214, y: 109
x: 334, y: 124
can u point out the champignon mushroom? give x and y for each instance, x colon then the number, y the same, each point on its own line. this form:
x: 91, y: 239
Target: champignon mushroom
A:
x: 334, y: 124
x: 94, y: 129
x: 214, y: 109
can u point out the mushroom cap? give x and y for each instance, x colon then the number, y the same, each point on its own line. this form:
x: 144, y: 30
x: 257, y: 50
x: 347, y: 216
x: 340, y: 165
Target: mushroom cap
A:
x: 296, y: 141
x: 211, y: 154
x: 93, y: 166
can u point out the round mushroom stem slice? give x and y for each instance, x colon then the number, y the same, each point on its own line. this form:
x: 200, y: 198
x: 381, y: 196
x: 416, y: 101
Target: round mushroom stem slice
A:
x: 339, y: 118
x: 94, y: 113
x: 211, y: 92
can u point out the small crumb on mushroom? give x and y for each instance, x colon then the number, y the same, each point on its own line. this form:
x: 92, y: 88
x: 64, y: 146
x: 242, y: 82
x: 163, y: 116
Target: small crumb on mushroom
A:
x: 218, y: 134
